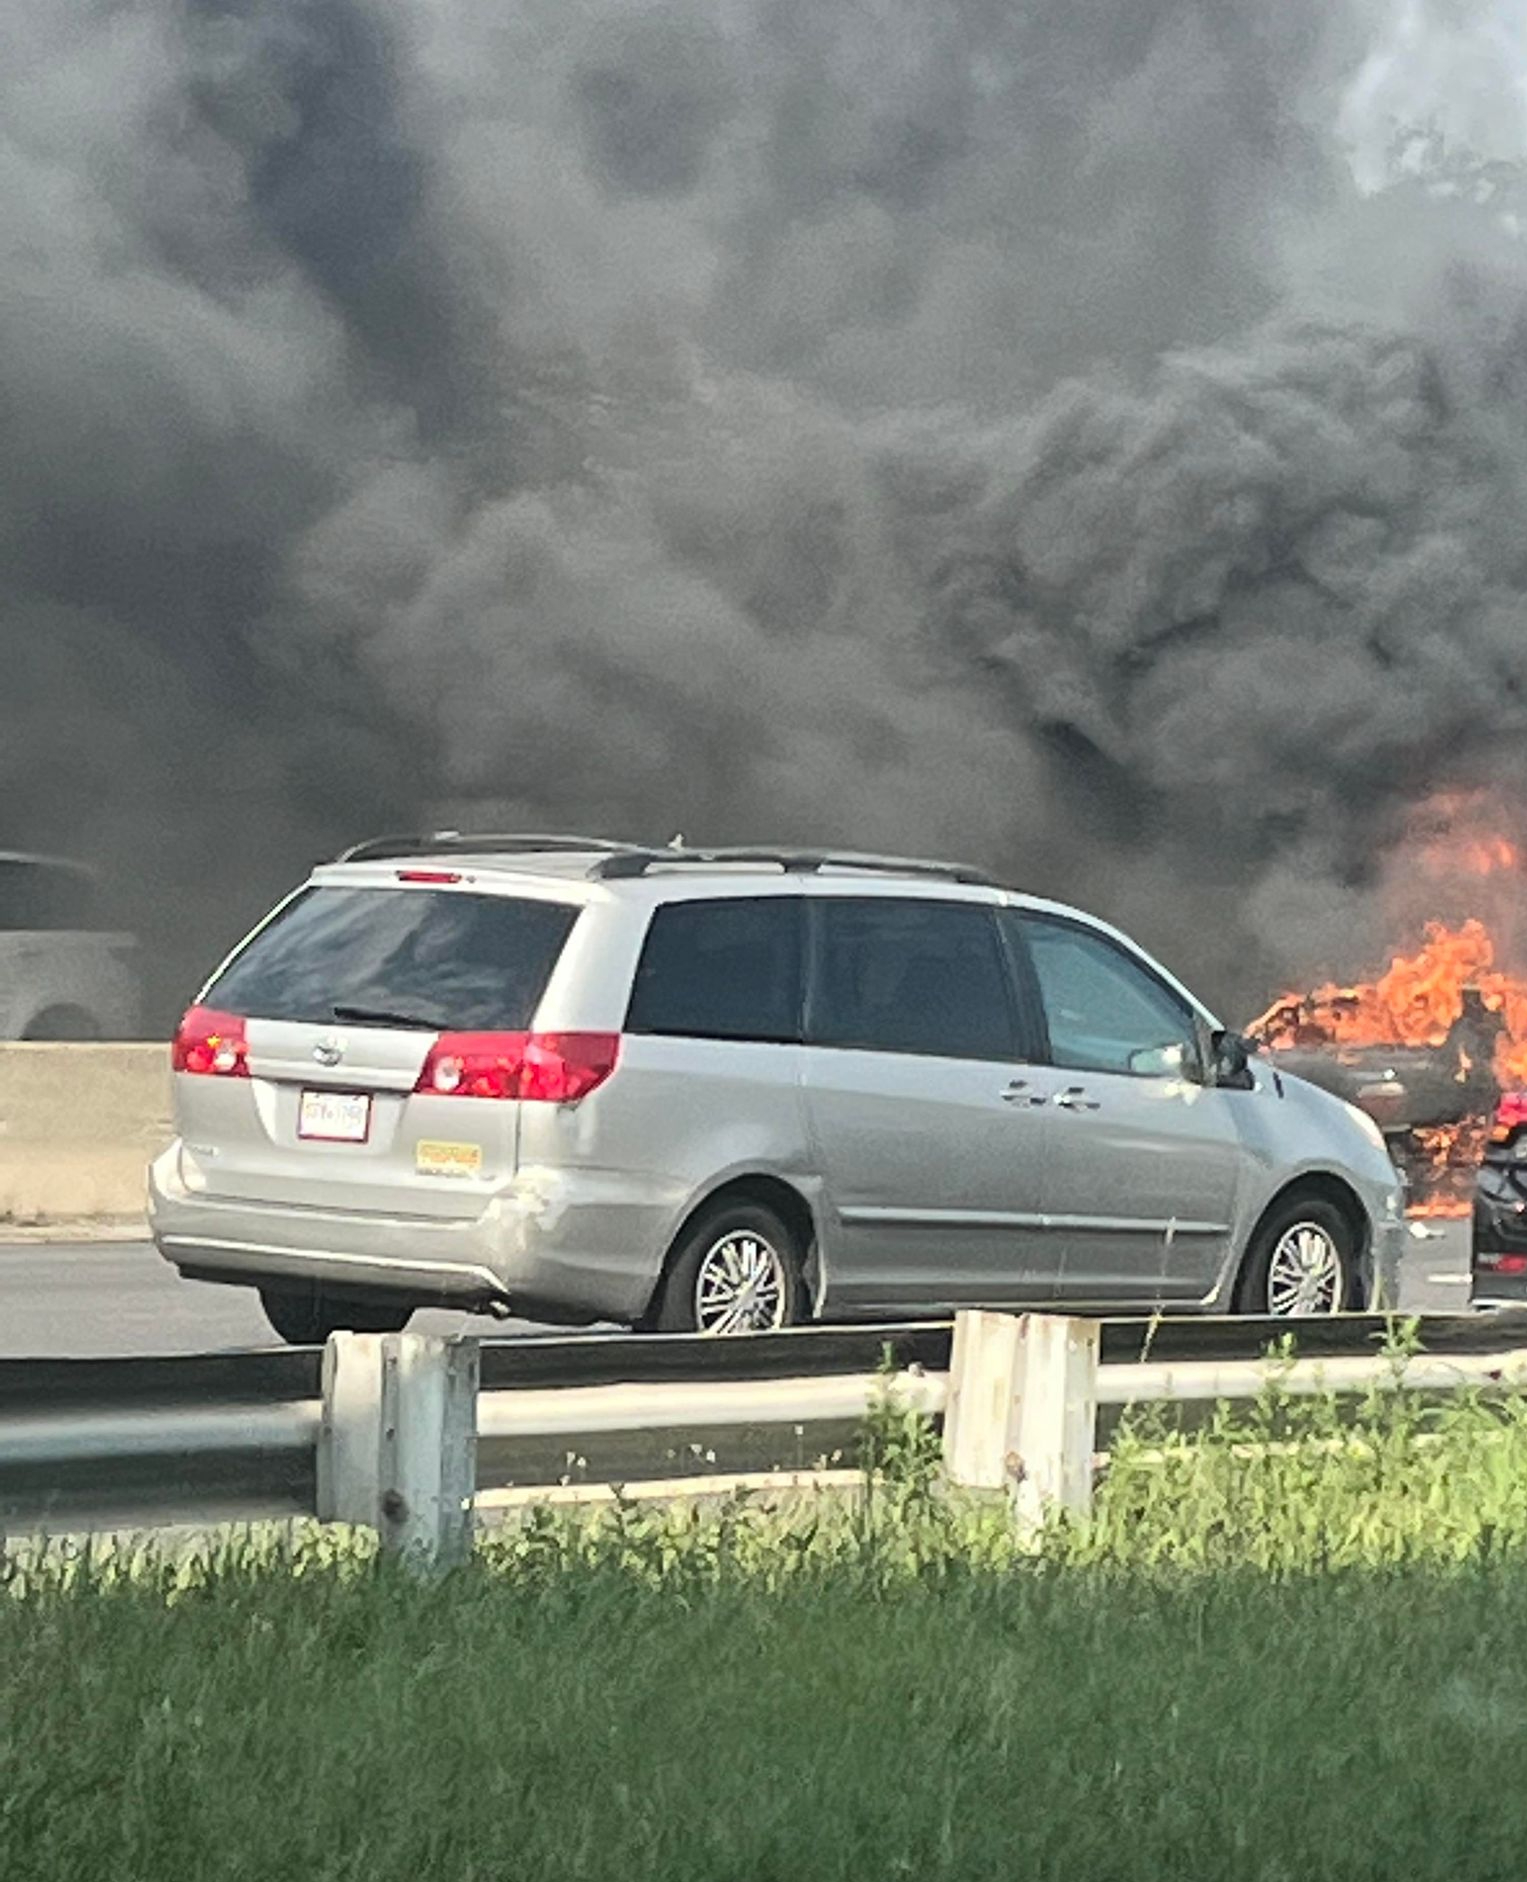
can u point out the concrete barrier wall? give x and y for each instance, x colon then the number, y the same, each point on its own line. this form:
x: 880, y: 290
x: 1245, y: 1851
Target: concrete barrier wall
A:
x: 78, y: 1127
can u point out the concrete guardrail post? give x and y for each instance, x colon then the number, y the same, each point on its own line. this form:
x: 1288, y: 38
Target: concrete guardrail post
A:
x: 397, y: 1449
x: 981, y: 1408
x: 1056, y: 1424
x: 1022, y: 1410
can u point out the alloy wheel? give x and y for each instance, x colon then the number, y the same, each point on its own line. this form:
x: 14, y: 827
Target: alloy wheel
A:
x: 740, y: 1286
x: 1305, y: 1275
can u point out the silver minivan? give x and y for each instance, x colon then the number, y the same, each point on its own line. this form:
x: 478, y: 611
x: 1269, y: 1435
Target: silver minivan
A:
x: 729, y: 1090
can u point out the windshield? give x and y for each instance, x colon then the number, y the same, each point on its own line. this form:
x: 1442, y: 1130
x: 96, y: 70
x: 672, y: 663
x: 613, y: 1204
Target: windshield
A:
x: 450, y: 960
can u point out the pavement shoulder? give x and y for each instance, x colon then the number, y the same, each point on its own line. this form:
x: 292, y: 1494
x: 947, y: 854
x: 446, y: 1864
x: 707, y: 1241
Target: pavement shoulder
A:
x: 74, y: 1229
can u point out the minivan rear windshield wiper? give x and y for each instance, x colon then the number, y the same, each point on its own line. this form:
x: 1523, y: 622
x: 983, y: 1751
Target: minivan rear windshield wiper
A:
x: 384, y: 1016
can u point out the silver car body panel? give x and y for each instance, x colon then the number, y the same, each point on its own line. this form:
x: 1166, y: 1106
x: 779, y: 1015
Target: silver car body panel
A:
x: 931, y: 1182
x: 84, y: 977
x: 936, y: 1181
x: 70, y: 971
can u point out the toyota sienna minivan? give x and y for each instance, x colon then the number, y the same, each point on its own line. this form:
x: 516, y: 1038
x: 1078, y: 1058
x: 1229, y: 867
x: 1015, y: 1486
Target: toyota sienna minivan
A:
x: 731, y: 1090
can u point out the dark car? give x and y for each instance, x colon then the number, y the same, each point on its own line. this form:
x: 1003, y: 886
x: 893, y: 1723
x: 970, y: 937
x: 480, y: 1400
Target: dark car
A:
x: 1500, y: 1209
x: 1425, y: 1099
x: 1403, y: 1088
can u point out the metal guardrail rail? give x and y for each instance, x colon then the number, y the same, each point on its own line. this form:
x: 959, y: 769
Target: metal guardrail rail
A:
x: 114, y: 1443
x: 370, y: 1424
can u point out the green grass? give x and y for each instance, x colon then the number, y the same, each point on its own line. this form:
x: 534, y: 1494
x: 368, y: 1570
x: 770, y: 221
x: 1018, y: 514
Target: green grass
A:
x: 1306, y: 1663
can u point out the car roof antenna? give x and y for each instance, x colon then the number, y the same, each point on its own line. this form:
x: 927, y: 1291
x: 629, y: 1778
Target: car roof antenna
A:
x: 676, y: 842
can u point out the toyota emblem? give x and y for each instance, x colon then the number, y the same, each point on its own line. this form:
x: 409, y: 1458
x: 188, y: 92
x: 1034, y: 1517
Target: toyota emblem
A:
x: 329, y: 1051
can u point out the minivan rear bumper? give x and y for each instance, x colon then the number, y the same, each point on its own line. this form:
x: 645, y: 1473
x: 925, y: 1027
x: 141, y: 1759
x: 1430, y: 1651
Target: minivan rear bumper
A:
x: 577, y: 1261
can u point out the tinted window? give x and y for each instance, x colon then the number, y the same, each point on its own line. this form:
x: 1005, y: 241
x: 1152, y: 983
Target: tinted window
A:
x: 44, y: 896
x: 468, y: 963
x: 1105, y: 1012
x: 721, y: 970
x: 924, y: 977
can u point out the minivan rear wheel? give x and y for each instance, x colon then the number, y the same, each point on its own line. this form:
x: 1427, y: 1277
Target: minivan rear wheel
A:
x: 736, y: 1269
x: 1302, y: 1262
x: 307, y: 1318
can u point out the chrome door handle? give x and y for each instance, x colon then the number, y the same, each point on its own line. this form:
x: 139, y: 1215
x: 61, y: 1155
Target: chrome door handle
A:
x: 1018, y: 1093
x: 1074, y: 1098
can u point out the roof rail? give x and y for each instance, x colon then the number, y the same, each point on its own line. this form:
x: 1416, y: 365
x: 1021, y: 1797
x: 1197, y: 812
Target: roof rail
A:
x: 465, y: 843
x: 632, y: 861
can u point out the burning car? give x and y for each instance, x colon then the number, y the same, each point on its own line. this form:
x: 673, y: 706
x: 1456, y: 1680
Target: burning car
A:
x: 1404, y: 1088
x: 1425, y: 1049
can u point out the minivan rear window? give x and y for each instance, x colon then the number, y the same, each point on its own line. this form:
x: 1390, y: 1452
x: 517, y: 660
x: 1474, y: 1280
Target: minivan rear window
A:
x: 449, y: 960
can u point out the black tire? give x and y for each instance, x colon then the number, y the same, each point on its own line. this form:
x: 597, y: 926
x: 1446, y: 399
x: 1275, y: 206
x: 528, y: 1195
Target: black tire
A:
x: 1254, y: 1291
x: 303, y: 1317
x: 698, y: 1250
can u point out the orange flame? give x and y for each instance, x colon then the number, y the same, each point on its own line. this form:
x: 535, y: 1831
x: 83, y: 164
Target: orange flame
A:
x: 1486, y: 856
x: 1449, y: 837
x: 1420, y: 998
x: 1416, y: 1001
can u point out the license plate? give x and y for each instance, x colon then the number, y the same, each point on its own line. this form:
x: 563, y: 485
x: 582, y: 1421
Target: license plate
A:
x: 335, y: 1117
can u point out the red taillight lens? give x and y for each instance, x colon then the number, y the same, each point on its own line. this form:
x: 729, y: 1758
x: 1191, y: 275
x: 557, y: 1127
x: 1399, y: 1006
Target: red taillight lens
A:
x: 561, y: 1067
x: 1510, y: 1115
x: 210, y: 1044
x: 474, y: 1065
x: 541, y: 1067
x: 1500, y: 1264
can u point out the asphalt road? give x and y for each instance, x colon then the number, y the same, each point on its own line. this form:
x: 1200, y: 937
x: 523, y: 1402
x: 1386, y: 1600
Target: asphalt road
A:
x: 99, y: 1299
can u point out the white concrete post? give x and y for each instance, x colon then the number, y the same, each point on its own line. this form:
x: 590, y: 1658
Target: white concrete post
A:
x: 980, y: 1407
x: 349, y: 1433
x: 398, y: 1441
x: 1056, y: 1421
x: 429, y: 1447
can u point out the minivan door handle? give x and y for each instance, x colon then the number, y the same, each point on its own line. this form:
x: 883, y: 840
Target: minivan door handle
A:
x: 1074, y: 1098
x: 1018, y: 1092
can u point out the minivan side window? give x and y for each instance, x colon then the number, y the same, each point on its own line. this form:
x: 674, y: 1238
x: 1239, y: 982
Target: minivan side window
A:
x: 920, y: 977
x: 1105, y: 1011
x: 721, y: 969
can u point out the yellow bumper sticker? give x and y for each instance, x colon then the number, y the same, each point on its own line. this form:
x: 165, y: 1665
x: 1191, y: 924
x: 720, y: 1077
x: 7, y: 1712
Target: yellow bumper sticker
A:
x: 437, y: 1159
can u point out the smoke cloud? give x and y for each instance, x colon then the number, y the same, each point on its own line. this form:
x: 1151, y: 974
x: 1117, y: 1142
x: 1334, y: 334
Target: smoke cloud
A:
x: 1091, y: 442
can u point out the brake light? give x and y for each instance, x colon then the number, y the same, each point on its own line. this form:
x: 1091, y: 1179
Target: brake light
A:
x: 428, y: 875
x: 1510, y: 1116
x: 539, y: 1067
x: 1500, y: 1264
x: 209, y: 1044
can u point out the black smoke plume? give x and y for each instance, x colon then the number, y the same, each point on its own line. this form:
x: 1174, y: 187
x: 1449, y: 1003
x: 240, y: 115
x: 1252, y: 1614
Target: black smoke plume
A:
x: 1022, y: 433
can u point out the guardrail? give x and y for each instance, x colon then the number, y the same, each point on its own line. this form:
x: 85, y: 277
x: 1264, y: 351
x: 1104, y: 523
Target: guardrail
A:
x: 417, y: 1436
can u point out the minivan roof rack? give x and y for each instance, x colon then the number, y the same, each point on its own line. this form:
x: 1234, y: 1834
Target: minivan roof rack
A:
x: 466, y: 843
x: 627, y: 861
x: 616, y: 861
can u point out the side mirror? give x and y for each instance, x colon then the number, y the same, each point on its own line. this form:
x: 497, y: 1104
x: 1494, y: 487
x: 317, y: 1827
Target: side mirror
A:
x: 1165, y: 1062
x: 1230, y: 1060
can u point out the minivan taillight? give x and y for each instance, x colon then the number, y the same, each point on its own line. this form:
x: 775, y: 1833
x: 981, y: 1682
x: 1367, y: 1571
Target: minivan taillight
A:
x: 209, y: 1044
x: 542, y: 1067
x: 1510, y: 1116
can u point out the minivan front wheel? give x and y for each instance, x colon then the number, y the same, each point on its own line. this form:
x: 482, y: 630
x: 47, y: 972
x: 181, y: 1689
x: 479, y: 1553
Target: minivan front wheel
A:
x: 307, y: 1318
x: 1301, y: 1262
x: 736, y: 1269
